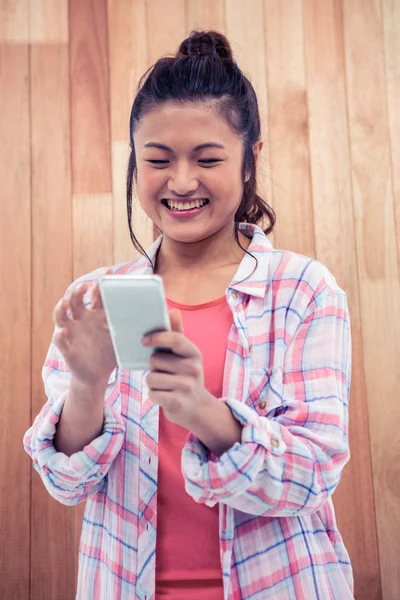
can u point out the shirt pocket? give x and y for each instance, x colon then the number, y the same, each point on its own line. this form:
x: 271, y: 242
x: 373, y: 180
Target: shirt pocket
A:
x: 265, y: 391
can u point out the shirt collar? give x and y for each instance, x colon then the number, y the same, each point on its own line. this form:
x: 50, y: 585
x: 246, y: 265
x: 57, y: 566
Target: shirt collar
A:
x: 250, y: 277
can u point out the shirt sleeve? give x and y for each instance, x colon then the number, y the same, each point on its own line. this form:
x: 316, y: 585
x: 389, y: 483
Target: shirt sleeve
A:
x: 71, y: 479
x: 288, y: 463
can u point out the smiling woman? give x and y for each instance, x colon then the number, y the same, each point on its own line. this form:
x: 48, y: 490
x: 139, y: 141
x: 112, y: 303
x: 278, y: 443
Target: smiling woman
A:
x: 210, y: 475
x: 208, y: 151
x: 177, y: 165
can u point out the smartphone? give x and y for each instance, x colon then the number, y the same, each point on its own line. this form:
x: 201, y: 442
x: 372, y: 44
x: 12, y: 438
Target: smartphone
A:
x: 134, y: 305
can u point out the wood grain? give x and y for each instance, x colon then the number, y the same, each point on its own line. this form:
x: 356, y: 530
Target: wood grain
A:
x: 163, y: 40
x: 52, y: 557
x: 245, y: 31
x: 15, y: 320
x: 377, y: 268
x: 209, y: 14
x: 129, y: 59
x: 335, y: 247
x: 14, y: 21
x: 141, y: 224
x: 93, y: 233
x: 288, y: 126
x: 391, y: 24
x: 48, y: 21
x: 90, y: 118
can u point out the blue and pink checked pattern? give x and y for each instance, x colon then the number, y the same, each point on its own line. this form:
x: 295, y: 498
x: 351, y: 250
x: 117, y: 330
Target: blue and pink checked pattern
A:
x: 287, y: 379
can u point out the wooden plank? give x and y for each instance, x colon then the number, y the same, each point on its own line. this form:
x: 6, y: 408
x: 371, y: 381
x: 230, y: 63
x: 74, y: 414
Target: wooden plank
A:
x: 377, y: 267
x: 288, y: 126
x: 52, y: 556
x: 92, y: 233
x: 90, y: 118
x: 164, y: 40
x: 335, y: 247
x: 14, y: 21
x: 209, y: 14
x: 15, y: 320
x: 128, y: 62
x: 391, y: 23
x: 48, y: 21
x: 141, y: 224
x: 245, y: 31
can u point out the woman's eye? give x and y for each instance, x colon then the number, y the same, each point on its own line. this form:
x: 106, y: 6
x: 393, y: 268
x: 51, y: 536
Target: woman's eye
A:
x: 210, y: 161
x: 204, y: 162
x: 158, y: 162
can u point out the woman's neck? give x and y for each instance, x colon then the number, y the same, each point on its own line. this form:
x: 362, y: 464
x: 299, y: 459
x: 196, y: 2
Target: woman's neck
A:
x: 211, y: 253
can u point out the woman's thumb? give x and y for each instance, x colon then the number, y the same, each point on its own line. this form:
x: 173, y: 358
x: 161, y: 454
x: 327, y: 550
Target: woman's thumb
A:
x: 176, y: 320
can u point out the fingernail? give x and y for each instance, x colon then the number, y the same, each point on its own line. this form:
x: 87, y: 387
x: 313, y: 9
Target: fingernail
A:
x: 146, y: 341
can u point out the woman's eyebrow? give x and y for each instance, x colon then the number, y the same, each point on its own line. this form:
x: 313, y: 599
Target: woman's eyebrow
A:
x: 209, y: 145
x: 196, y: 149
x: 159, y: 146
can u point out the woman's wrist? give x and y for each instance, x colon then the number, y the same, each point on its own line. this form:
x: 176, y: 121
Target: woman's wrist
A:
x: 88, y: 391
x: 215, y: 426
x: 82, y: 417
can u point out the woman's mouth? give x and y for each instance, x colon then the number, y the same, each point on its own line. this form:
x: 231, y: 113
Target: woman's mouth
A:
x: 185, y: 208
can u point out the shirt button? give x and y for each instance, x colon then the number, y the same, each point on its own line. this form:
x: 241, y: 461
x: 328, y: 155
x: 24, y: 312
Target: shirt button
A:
x: 262, y: 405
x: 234, y: 295
x: 275, y: 443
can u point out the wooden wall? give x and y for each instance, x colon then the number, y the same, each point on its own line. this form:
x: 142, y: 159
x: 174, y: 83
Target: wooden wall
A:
x: 327, y: 73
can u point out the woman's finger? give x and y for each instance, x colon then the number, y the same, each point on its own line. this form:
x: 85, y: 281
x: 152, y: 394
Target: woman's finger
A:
x: 166, y: 362
x: 177, y: 342
x: 162, y: 382
x: 61, y: 340
x: 96, y: 301
x: 60, y: 316
x: 169, y: 401
x: 176, y: 320
x: 76, y: 303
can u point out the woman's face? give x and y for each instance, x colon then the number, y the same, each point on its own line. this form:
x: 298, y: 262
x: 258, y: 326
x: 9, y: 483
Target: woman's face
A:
x: 189, y: 171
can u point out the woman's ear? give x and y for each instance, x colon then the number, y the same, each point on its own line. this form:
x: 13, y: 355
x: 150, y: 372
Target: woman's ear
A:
x: 257, y: 150
x: 258, y: 146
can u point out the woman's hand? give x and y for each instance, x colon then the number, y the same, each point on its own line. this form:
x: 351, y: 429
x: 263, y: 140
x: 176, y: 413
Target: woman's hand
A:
x: 83, y: 338
x: 176, y: 380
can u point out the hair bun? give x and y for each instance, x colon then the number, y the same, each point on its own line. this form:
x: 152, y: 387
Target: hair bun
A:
x: 205, y: 43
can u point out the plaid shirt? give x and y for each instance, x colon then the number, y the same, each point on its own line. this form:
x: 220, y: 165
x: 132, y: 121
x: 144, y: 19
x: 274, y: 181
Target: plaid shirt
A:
x: 286, y: 379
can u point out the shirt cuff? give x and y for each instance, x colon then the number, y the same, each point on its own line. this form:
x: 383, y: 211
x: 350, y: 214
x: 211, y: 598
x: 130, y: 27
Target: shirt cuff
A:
x: 209, y: 478
x: 95, y: 458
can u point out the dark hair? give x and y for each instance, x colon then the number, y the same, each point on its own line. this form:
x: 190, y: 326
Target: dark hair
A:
x: 204, y: 69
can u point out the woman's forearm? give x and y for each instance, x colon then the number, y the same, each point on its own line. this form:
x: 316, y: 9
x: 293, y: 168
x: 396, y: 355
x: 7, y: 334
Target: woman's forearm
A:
x: 82, y: 417
x: 217, y: 428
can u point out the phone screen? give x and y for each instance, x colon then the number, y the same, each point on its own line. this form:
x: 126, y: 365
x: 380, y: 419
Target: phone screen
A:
x: 134, y: 305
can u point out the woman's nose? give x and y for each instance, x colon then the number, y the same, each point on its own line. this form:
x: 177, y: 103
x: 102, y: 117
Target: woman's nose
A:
x: 182, y: 181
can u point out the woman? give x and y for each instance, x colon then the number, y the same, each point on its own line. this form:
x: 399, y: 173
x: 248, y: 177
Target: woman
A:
x: 211, y: 475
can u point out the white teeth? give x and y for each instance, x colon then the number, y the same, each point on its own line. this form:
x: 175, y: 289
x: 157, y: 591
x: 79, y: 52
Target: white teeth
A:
x: 172, y: 204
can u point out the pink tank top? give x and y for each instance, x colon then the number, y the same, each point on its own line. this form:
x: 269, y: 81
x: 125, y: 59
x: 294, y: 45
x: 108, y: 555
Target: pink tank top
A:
x: 187, y: 557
